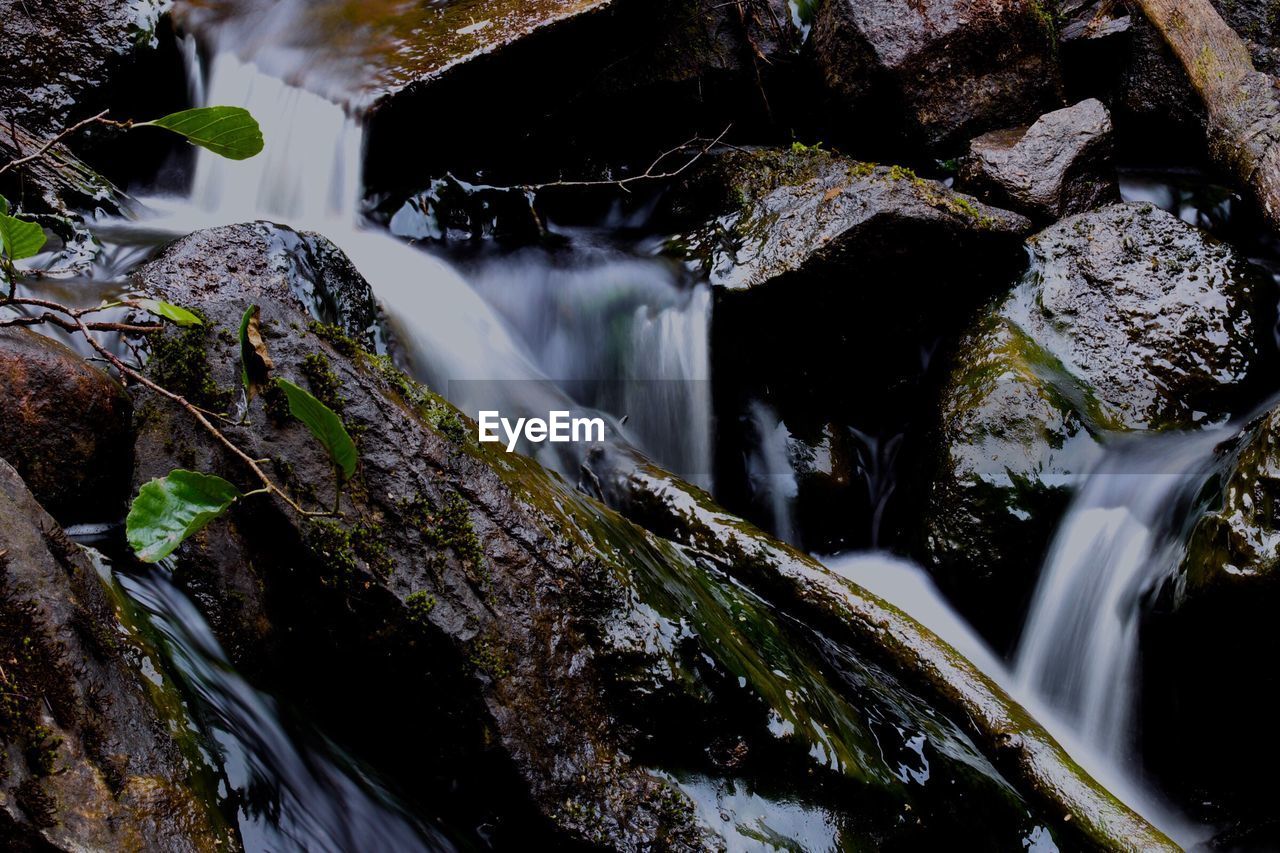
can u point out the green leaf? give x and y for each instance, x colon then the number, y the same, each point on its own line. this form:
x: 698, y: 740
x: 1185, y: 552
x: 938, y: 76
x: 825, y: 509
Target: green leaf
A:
x: 255, y: 361
x: 18, y: 238
x: 229, y: 131
x: 169, y: 509
x: 324, y: 425
x: 169, y: 311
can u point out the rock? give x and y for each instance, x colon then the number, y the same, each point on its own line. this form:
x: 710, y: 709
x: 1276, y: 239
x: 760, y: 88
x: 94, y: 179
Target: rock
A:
x: 1058, y: 166
x: 90, y: 761
x: 1207, y: 629
x: 577, y: 85
x: 938, y: 71
x: 1235, y: 543
x: 812, y: 594
x: 820, y: 256
x: 1258, y: 24
x: 523, y: 633
x: 1129, y: 320
x: 66, y: 427
x: 60, y: 57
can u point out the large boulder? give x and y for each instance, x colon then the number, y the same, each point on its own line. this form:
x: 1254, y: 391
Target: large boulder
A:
x: 59, y: 58
x: 66, y: 427
x: 568, y: 83
x: 1058, y: 166
x: 939, y: 71
x: 527, y: 636
x: 91, y: 757
x: 1128, y: 320
x: 843, y: 268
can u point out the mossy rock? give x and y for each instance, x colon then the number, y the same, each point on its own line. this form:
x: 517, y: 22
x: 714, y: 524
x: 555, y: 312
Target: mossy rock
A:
x: 623, y: 686
x: 98, y: 747
x: 1129, y: 320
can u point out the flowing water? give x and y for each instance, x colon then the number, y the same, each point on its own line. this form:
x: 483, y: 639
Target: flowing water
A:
x: 595, y: 326
x: 289, y: 789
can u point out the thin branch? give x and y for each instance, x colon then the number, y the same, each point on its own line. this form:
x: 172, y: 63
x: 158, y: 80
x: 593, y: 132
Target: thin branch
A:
x: 100, y: 118
x: 648, y: 174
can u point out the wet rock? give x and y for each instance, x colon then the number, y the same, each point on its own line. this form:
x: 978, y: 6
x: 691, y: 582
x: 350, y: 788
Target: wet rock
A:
x: 618, y: 687
x: 1258, y: 23
x: 60, y: 57
x: 66, y: 427
x: 1235, y: 543
x: 1129, y: 320
x: 821, y: 256
x: 91, y: 755
x: 1058, y: 166
x: 938, y: 71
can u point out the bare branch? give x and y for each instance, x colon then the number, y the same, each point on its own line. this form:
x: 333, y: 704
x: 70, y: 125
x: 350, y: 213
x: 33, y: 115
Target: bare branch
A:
x: 648, y: 174
x: 100, y: 118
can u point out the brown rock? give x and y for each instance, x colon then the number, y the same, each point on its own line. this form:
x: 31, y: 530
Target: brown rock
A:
x: 65, y: 426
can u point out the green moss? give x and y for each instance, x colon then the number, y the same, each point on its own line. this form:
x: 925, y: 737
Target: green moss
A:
x: 276, y: 404
x: 179, y: 361
x: 862, y: 169
x: 346, y: 550
x: 798, y: 147
x: 324, y: 383
x: 438, y: 414
x: 488, y: 655
x: 420, y: 605
x: 336, y: 338
x: 448, y: 527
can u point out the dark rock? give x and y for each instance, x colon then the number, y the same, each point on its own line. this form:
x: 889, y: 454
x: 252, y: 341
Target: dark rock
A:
x: 1154, y: 94
x: 1058, y: 166
x: 617, y: 683
x: 90, y: 759
x: 59, y: 57
x: 1258, y: 23
x: 1129, y: 320
x: 843, y: 268
x: 938, y: 71
x: 66, y: 427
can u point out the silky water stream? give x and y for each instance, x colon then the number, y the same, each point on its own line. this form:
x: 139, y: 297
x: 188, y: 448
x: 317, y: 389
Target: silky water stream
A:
x: 602, y: 328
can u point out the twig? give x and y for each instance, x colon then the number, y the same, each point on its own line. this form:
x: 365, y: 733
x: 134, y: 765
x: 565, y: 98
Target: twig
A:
x: 100, y: 118
x: 649, y: 174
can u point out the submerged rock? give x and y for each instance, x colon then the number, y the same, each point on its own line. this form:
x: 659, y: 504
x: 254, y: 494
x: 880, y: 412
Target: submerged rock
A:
x: 94, y: 756
x: 938, y: 71
x: 1058, y: 166
x: 617, y: 685
x: 1129, y: 320
x: 66, y: 427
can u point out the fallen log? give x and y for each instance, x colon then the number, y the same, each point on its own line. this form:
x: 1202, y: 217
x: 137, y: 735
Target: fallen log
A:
x: 1242, y: 104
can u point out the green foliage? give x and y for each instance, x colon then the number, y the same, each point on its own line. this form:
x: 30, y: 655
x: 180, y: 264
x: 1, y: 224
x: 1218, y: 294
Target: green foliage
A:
x: 228, y: 131
x: 169, y: 509
x: 325, y: 425
x: 18, y: 238
x: 170, y: 312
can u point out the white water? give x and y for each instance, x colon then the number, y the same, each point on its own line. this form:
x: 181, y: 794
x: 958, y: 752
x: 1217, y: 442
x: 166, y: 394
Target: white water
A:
x: 769, y: 471
x: 1079, y: 649
x: 308, y: 177
x: 911, y: 589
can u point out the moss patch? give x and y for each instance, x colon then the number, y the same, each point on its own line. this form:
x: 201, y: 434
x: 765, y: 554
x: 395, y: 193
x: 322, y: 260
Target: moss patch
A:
x: 180, y: 363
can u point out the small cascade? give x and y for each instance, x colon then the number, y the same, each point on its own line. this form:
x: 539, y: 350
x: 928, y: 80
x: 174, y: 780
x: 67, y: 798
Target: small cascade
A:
x: 1120, y: 540
x: 910, y: 588
x: 769, y: 472
x: 289, y: 794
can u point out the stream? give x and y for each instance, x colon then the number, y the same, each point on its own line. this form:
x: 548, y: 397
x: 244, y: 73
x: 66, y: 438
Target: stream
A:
x: 602, y: 324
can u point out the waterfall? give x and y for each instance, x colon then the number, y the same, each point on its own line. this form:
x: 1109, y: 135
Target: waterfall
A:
x: 474, y: 343
x: 290, y: 792
x: 910, y: 588
x: 1121, y: 538
x: 769, y: 471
